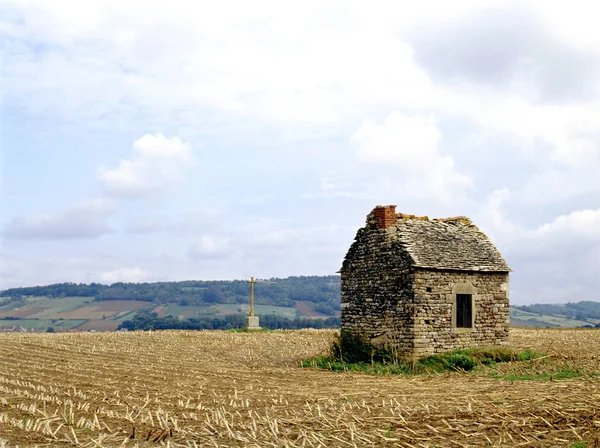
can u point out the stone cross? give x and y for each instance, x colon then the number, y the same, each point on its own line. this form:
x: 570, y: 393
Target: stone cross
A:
x: 251, y: 322
x: 252, y: 282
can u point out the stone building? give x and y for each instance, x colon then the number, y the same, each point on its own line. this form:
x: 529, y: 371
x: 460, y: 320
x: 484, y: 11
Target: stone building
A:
x: 421, y: 285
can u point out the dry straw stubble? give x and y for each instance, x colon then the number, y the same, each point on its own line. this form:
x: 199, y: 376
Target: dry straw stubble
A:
x: 245, y: 389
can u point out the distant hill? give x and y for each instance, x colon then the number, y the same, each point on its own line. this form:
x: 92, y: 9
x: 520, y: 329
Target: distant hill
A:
x: 321, y: 290
x: 67, y: 306
x: 579, y: 314
x: 288, y: 301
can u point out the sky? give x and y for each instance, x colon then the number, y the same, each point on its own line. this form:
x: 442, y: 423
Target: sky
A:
x: 156, y: 141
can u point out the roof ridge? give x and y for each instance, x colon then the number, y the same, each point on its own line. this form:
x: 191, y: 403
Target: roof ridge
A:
x: 453, y: 218
x: 409, y: 216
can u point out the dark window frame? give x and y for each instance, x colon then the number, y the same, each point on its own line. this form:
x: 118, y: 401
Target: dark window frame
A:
x: 464, y: 311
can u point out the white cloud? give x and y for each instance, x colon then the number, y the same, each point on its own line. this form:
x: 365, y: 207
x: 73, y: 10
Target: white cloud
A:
x: 260, y: 62
x: 159, y: 164
x: 558, y: 259
x: 570, y: 233
x: 126, y: 275
x: 411, y: 144
x: 572, y: 22
x: 410, y: 141
x: 209, y: 246
x: 491, y: 217
x: 31, y: 265
x: 566, y: 134
x: 573, y: 231
x: 553, y: 261
x: 264, y: 83
x: 84, y: 220
x: 13, y: 271
x: 253, y: 65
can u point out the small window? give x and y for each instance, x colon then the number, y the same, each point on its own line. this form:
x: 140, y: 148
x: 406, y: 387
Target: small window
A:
x: 464, y: 311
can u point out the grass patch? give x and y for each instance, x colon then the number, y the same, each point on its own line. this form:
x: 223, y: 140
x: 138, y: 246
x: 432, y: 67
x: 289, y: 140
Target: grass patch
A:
x: 125, y: 316
x: 350, y: 353
x: 579, y: 444
x: 376, y: 368
x: 563, y: 374
x: 468, y: 359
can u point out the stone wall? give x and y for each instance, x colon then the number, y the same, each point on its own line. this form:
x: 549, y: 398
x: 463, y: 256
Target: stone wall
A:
x: 377, y: 297
x: 434, y: 295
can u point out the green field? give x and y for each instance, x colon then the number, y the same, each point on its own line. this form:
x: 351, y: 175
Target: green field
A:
x: 524, y: 318
x: 173, y: 309
x: 124, y: 316
x: 43, y: 312
x: 225, y: 308
x: 281, y: 310
x: 43, y: 324
x: 53, y: 306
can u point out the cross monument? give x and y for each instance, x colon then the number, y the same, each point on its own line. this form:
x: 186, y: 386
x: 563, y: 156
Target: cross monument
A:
x: 251, y: 319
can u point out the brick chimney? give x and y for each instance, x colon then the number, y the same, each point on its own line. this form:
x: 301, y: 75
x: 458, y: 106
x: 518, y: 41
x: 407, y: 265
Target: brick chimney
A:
x: 385, y: 215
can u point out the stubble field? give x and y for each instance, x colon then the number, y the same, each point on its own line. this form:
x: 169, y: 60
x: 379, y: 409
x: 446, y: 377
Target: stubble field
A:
x: 240, y: 389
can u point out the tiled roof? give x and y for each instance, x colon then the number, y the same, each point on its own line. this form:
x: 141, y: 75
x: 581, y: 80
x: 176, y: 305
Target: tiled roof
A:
x: 452, y: 243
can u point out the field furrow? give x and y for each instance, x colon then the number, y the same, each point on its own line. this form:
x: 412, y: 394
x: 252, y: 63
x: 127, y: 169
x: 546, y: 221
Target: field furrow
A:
x: 239, y: 389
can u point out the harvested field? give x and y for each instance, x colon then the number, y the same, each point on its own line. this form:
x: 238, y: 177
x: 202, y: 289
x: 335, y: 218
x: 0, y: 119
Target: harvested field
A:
x: 86, y: 312
x: 242, y: 389
x: 99, y: 325
x: 306, y: 308
x: 161, y: 311
x: 117, y: 306
x: 96, y: 310
x: 23, y: 312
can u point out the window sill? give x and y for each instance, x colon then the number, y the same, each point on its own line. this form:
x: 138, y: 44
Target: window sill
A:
x: 463, y: 330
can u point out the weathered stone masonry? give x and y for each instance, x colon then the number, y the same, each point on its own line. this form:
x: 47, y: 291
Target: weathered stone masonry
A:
x: 424, y: 286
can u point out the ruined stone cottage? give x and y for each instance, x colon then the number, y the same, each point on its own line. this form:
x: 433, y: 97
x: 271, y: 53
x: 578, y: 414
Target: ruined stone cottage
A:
x: 424, y: 285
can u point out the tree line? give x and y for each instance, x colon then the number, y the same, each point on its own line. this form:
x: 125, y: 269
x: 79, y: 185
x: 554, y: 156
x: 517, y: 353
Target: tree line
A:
x: 151, y: 321
x: 322, y: 290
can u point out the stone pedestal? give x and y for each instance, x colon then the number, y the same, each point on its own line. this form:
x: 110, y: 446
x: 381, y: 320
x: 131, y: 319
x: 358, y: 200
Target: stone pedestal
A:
x: 252, y: 323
